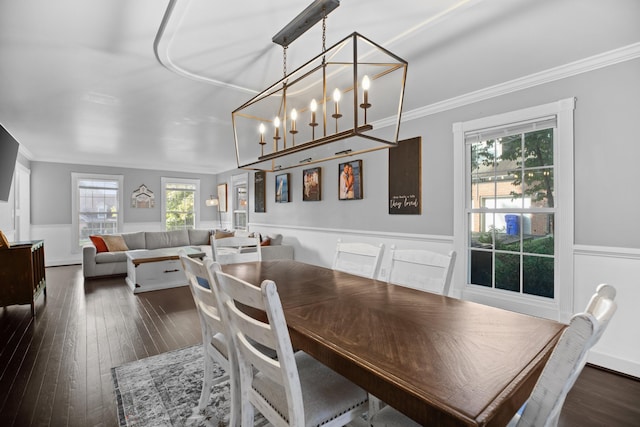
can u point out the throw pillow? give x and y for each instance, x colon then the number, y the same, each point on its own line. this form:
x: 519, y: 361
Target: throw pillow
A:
x: 99, y: 243
x: 220, y: 234
x: 115, y: 243
x: 266, y: 242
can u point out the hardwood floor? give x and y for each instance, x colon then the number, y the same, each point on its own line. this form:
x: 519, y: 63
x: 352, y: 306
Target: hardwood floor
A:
x: 56, y: 369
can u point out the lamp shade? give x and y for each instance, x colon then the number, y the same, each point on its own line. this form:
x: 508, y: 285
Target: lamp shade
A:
x: 212, y: 201
x: 365, y: 116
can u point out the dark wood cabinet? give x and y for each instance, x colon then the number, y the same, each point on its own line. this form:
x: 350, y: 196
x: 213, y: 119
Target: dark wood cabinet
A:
x: 22, y: 277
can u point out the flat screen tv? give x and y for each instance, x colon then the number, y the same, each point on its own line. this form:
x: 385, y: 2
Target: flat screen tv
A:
x: 8, y: 156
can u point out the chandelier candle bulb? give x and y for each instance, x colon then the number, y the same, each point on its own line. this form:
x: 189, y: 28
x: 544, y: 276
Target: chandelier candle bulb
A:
x: 336, y: 99
x: 276, y: 124
x: 261, y: 128
x: 293, y: 131
x: 294, y: 117
x: 366, y: 84
x: 313, y: 107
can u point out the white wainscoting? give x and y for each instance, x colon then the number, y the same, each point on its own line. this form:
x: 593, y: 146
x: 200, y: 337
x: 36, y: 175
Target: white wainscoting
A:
x: 318, y: 245
x: 619, y: 347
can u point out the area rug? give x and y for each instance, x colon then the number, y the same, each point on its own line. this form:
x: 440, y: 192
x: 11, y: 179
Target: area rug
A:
x: 164, y: 390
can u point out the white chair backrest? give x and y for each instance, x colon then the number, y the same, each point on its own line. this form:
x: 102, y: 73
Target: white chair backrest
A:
x: 421, y: 269
x: 248, y: 334
x: 568, y: 359
x: 232, y: 250
x: 361, y: 259
x: 200, y: 277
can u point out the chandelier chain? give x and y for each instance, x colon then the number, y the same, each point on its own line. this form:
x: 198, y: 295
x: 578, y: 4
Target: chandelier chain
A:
x: 324, y: 30
x: 284, y: 60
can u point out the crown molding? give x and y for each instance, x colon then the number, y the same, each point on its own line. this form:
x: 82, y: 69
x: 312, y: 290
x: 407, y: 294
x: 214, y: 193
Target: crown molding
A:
x: 585, y: 65
x: 24, y: 151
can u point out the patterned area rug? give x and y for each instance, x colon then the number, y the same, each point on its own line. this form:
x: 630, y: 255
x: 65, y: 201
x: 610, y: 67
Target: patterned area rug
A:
x: 164, y: 390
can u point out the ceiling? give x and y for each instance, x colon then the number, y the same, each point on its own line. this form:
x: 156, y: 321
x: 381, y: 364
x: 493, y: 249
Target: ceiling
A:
x: 80, y: 82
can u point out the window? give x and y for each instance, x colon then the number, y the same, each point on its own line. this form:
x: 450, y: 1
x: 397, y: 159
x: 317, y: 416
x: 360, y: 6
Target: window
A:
x: 240, y: 202
x: 508, y: 225
x: 240, y: 210
x: 511, y: 211
x: 96, y: 206
x: 180, y: 206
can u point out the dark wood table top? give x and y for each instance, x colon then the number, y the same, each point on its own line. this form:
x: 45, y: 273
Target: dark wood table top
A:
x: 440, y: 360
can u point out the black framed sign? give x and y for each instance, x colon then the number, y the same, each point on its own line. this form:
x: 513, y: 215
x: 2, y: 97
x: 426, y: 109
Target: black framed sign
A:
x: 405, y: 177
x: 259, y: 189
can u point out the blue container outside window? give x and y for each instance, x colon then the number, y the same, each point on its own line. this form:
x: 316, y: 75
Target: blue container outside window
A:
x: 513, y: 224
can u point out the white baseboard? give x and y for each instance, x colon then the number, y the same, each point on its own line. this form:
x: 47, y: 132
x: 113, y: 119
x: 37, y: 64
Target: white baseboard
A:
x: 613, y: 363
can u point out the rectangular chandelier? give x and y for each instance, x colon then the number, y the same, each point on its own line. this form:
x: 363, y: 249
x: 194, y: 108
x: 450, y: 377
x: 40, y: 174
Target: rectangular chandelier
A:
x: 345, y: 101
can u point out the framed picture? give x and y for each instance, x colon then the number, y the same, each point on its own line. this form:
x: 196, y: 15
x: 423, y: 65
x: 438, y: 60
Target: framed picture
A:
x: 282, y: 188
x: 222, y: 197
x: 259, y: 185
x: 350, y: 180
x: 312, y: 185
x: 143, y: 198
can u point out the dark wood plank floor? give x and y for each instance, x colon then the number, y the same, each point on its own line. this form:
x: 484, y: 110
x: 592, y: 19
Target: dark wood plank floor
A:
x: 56, y: 369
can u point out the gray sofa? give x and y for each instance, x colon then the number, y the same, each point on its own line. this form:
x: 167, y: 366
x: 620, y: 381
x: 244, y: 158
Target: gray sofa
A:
x: 96, y: 264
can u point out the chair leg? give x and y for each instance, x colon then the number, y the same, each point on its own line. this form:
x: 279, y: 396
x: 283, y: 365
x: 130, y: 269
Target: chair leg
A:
x: 235, y: 416
x: 374, y: 407
x: 207, y: 382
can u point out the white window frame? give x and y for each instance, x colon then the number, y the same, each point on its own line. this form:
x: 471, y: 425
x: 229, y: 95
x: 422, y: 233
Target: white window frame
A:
x: 561, y: 307
x: 75, y: 177
x: 237, y: 181
x: 164, y: 181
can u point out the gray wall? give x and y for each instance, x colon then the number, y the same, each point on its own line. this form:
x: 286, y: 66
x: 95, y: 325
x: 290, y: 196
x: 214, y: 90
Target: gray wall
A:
x: 606, y: 159
x: 51, y: 191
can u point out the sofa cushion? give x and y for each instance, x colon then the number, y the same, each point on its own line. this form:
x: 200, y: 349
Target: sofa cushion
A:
x: 115, y: 243
x: 107, y: 257
x: 166, y: 239
x: 276, y: 239
x: 135, y: 240
x: 99, y: 243
x: 199, y: 237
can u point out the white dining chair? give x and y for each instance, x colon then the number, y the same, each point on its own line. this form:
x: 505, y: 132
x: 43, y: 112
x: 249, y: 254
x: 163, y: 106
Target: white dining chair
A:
x: 361, y: 259
x: 567, y: 360
x: 418, y: 269
x: 421, y: 269
x: 231, y: 250
x: 214, y: 340
x: 294, y: 389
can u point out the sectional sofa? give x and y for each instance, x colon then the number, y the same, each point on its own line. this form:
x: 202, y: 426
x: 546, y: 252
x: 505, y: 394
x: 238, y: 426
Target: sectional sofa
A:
x: 98, y: 260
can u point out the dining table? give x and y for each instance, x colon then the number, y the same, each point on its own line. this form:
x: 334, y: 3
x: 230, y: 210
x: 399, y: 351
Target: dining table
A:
x: 441, y: 361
